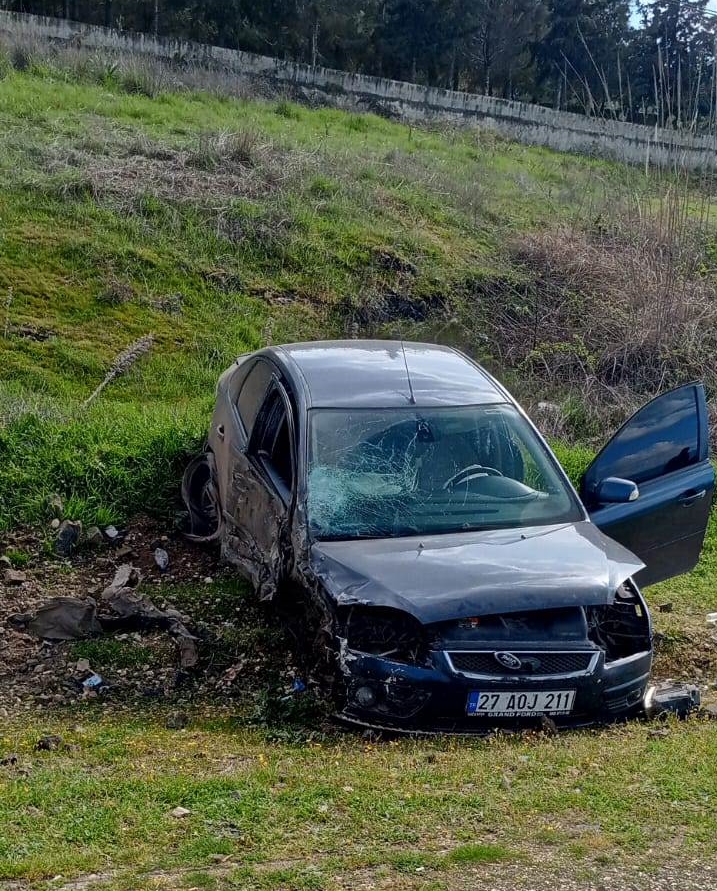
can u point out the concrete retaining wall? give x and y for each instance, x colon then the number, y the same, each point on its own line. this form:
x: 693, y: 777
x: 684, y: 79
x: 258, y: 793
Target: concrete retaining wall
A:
x: 530, y: 124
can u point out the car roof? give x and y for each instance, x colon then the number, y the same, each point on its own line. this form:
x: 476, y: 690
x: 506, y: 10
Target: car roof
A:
x: 372, y: 374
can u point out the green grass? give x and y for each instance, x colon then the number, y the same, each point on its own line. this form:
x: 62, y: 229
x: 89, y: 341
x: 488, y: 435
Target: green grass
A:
x: 327, y: 809
x: 274, y: 224
x: 112, y: 653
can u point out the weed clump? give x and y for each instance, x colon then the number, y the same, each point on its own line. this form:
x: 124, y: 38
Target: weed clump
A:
x: 217, y: 150
x: 21, y: 57
x: 288, y: 110
x: 143, y: 77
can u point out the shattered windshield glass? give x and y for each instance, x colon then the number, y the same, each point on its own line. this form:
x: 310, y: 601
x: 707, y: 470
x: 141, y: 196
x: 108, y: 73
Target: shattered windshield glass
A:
x: 410, y: 471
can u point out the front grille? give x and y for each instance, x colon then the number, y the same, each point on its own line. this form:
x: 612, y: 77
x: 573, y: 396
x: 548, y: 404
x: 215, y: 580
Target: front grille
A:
x: 536, y: 664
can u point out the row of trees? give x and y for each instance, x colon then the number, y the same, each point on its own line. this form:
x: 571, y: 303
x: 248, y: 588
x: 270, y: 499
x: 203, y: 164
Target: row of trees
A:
x: 650, y: 61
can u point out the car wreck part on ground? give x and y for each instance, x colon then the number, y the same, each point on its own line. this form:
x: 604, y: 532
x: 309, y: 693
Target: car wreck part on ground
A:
x: 62, y: 618
x: 672, y: 699
x: 72, y: 618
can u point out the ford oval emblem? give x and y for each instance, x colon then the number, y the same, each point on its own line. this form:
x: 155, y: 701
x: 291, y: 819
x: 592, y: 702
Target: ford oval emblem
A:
x: 508, y: 660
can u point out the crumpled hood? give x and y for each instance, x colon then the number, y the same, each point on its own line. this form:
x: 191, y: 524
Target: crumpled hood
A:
x: 442, y: 577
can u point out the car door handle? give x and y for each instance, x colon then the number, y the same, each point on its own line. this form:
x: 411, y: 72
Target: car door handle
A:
x: 691, y: 497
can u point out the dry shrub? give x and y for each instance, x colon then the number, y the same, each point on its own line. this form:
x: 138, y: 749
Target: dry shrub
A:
x: 217, y: 168
x: 222, y: 150
x: 620, y: 306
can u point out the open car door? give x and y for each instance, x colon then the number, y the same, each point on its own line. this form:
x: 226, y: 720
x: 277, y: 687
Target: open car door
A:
x: 663, y: 451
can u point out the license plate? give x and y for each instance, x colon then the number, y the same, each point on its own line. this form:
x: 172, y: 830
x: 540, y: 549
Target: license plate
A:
x: 507, y: 705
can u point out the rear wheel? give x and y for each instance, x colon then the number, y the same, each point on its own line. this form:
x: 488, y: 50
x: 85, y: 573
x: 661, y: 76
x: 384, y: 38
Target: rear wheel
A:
x: 201, y: 498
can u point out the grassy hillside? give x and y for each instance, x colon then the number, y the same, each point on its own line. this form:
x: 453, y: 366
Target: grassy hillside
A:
x: 217, y: 225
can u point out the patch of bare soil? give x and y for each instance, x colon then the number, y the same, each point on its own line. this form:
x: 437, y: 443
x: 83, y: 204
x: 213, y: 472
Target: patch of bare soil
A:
x: 143, y: 658
x: 136, y: 656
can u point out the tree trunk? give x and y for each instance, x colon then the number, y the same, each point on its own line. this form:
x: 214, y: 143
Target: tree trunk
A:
x: 155, y: 20
x: 108, y: 13
x: 315, y: 43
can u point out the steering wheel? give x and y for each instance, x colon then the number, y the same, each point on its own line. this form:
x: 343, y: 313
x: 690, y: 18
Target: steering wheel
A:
x: 471, y: 472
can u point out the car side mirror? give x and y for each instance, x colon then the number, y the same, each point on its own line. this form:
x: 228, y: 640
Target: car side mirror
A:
x: 613, y: 490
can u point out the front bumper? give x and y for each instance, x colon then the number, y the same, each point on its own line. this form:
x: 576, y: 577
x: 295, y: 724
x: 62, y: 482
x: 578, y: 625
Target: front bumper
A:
x: 434, y: 697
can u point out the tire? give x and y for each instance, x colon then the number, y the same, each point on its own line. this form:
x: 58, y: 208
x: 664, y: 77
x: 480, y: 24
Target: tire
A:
x: 201, y: 498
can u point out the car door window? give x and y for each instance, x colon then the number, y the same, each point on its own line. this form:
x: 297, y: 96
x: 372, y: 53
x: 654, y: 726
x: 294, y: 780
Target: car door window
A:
x: 271, y: 444
x: 662, y: 437
x: 253, y: 392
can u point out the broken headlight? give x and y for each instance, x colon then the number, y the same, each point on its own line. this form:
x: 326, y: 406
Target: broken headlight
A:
x: 388, y: 633
x: 623, y: 627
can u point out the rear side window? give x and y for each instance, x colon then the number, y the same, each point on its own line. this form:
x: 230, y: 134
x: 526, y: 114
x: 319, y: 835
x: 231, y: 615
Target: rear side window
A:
x: 252, y: 393
x: 661, y: 438
x: 271, y: 443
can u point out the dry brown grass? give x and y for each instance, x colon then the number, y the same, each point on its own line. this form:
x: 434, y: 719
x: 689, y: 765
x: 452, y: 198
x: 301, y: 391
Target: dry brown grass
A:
x: 217, y: 168
x: 619, y: 306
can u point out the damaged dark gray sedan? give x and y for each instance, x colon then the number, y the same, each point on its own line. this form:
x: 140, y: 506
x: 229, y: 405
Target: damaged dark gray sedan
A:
x: 397, y: 495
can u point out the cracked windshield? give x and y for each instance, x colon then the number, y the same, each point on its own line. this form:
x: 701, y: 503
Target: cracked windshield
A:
x: 422, y: 471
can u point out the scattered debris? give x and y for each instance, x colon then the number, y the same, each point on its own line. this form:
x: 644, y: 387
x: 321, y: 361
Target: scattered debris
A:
x: 668, y: 698
x: 61, y: 618
x: 93, y: 683
x: 136, y: 657
x: 94, y: 537
x: 68, y: 537
x: 177, y: 721
x: 712, y: 618
x: 665, y: 607
x: 48, y: 743
x: 71, y: 618
x: 9, y: 761
x: 180, y: 812
x: 112, y: 533
x: 55, y: 524
x: 161, y: 558
x: 6, y: 561
x: 14, y: 577
x: 127, y: 576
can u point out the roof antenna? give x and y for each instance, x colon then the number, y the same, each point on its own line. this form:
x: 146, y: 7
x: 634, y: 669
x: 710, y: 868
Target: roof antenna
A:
x: 412, y: 400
